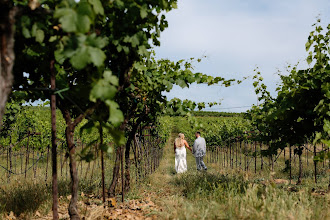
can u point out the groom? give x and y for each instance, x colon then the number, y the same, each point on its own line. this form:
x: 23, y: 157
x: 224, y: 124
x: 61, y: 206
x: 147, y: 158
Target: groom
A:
x: 199, y: 151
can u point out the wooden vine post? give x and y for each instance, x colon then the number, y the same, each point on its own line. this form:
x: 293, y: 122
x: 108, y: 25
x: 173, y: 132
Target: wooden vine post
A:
x: 261, y: 158
x: 122, y: 173
x: 255, y: 157
x: 54, y: 145
x: 102, y: 163
x: 290, y: 166
x: 315, y: 166
x: 27, y: 154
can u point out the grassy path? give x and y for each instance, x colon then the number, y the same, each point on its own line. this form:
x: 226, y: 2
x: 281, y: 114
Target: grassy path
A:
x: 224, y: 194
x: 168, y: 189
x: 161, y: 187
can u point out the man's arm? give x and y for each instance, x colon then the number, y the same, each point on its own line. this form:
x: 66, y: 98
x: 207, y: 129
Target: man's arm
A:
x: 194, y: 147
x: 204, y: 145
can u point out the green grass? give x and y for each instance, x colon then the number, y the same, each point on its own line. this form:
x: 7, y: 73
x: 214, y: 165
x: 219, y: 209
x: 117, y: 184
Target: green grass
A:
x: 224, y: 193
x: 215, y: 195
x: 24, y: 196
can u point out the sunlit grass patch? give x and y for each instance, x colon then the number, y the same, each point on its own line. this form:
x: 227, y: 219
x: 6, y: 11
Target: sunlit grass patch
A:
x: 204, y: 184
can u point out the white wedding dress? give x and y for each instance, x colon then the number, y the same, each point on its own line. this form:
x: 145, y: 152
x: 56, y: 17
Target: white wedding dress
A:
x: 180, y: 159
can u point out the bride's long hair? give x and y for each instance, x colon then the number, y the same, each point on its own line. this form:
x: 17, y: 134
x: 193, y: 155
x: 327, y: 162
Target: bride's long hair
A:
x: 179, y: 141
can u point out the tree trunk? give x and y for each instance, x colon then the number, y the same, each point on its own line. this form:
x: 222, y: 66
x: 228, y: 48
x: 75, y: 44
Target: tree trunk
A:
x: 137, y: 158
x: 73, y: 209
x: 127, y: 166
x: 115, y: 175
x: 102, y: 163
x: 54, y: 144
x: 69, y: 134
x: 329, y: 179
x: 7, y: 54
x: 122, y: 173
x: 127, y: 153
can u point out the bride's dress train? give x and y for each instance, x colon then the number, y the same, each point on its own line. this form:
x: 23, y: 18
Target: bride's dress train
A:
x: 180, y: 160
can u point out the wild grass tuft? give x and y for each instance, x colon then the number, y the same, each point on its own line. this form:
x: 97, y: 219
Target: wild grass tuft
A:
x: 25, y: 197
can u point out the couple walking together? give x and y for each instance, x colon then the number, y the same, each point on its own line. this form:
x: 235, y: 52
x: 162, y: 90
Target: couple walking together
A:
x: 198, y: 150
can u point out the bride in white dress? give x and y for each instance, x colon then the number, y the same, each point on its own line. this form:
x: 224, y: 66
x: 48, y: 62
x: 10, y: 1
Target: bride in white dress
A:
x: 180, y: 145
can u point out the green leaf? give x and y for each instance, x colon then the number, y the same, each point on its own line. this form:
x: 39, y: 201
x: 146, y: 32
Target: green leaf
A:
x: 318, y: 136
x: 40, y: 36
x: 97, y: 6
x: 26, y: 32
x: 144, y: 11
x: 102, y: 90
x: 120, y: 3
x: 84, y: 23
x: 59, y: 57
x: 181, y: 83
x: 85, y: 8
x: 116, y: 115
x: 143, y: 50
x: 111, y: 78
x: 52, y: 38
x: 34, y: 29
x: 97, y: 56
x: 80, y: 59
x: 94, y: 41
x: 68, y: 18
x: 326, y: 126
x: 309, y: 58
x: 326, y: 142
x: 308, y: 45
x: 135, y: 41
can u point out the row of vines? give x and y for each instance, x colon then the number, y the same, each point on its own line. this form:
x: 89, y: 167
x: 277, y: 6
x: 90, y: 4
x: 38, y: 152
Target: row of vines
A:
x: 25, y: 153
x: 233, y: 142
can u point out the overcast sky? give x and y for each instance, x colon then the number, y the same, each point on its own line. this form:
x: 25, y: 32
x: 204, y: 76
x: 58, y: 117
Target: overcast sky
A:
x: 237, y: 36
